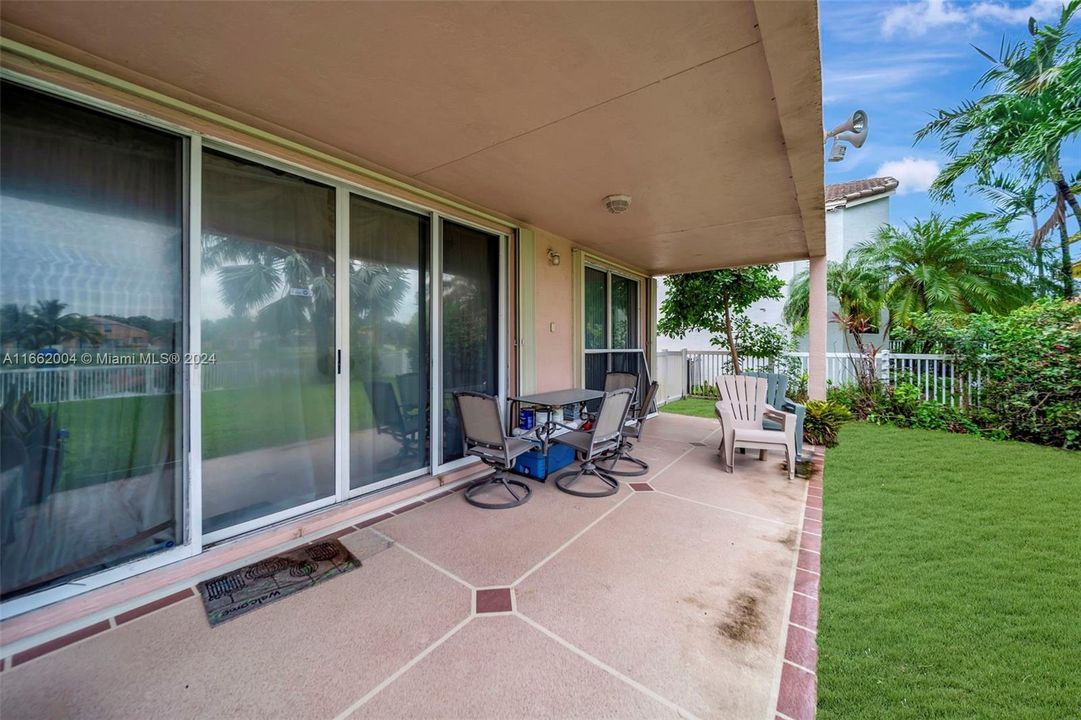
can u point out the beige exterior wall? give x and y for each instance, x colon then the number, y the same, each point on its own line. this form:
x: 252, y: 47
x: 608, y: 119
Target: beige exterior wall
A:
x: 554, y: 314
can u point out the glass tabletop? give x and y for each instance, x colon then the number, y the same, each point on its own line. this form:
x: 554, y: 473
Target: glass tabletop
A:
x: 559, y: 398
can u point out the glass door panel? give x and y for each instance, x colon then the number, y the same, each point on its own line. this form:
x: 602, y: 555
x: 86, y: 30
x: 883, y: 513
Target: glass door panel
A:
x: 388, y: 341
x: 470, y: 311
x: 91, y: 289
x: 268, y: 320
x: 625, y: 325
x: 596, y: 326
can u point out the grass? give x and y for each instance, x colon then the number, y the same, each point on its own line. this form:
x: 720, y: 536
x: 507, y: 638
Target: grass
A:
x: 951, y: 583
x: 696, y: 407
x: 112, y: 438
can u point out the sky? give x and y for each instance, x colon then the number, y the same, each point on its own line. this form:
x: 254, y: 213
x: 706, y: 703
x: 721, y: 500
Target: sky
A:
x: 901, y: 61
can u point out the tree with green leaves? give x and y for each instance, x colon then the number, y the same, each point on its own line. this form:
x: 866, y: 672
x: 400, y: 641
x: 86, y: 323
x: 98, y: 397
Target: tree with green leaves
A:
x: 1014, y: 198
x: 949, y: 265
x: 711, y: 300
x: 1033, y: 106
x: 859, y: 291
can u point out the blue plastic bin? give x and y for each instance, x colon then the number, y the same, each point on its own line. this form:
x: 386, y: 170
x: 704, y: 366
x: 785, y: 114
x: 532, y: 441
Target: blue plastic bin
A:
x: 532, y: 464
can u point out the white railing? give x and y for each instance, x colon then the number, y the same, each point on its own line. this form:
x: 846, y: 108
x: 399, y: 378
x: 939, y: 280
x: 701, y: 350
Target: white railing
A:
x: 70, y: 383
x: 937, y: 376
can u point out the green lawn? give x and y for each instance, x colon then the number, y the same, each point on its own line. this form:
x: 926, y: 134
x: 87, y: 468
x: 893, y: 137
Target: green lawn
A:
x: 112, y: 438
x: 951, y: 580
x: 696, y: 407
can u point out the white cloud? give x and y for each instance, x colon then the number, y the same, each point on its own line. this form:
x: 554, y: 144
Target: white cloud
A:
x: 918, y: 18
x: 913, y: 174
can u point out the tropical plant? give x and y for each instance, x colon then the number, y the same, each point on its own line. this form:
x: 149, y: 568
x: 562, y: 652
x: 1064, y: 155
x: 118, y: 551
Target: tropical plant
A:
x: 822, y: 422
x: 711, y: 300
x: 1015, y: 198
x: 1030, y: 385
x: 959, y: 265
x: 858, y: 289
x: 1033, y: 105
x: 44, y: 324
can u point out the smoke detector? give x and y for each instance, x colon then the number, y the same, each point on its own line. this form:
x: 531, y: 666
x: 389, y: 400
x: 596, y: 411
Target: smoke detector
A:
x: 617, y: 204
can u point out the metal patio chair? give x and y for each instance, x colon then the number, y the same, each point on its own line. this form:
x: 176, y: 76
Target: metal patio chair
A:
x: 483, y: 436
x: 741, y: 410
x: 602, y: 440
x: 632, y: 430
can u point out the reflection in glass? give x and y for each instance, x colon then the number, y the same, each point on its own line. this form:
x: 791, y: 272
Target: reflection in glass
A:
x: 596, y: 327
x: 624, y: 312
x: 91, y: 258
x: 388, y: 343
x: 470, y: 322
x: 268, y: 319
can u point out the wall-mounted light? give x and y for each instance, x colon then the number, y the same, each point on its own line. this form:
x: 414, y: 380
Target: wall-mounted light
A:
x: 553, y: 257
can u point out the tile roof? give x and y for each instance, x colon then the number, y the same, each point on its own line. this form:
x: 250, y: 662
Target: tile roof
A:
x: 856, y: 189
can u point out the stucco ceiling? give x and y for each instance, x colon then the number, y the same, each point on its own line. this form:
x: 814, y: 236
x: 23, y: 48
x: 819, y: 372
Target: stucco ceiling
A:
x: 707, y: 114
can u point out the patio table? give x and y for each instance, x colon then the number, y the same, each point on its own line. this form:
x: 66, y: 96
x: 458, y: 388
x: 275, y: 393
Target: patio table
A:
x: 552, y: 401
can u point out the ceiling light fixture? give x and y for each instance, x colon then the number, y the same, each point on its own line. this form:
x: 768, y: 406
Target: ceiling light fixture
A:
x: 617, y: 204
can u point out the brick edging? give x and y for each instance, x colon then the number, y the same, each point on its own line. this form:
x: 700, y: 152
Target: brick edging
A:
x: 797, y: 696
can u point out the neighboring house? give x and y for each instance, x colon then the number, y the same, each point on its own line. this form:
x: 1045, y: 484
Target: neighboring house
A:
x: 854, y: 210
x: 115, y: 335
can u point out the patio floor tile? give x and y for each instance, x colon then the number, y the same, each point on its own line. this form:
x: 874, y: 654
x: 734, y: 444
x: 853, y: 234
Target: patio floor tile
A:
x: 677, y: 596
x: 308, y: 655
x: 501, y: 667
x: 758, y: 488
x: 490, y: 548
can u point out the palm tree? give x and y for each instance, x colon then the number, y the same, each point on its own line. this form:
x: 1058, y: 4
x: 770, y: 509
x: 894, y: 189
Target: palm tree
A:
x: 1015, y: 198
x: 954, y: 266
x: 1034, y: 106
x: 858, y: 289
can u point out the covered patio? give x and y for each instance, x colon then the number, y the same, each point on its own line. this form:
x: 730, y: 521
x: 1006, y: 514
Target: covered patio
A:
x: 673, y: 598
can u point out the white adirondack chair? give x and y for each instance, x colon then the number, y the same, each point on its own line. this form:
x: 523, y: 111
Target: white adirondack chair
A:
x: 740, y: 410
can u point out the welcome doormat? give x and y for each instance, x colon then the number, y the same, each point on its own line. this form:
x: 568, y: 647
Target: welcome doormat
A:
x: 253, y: 586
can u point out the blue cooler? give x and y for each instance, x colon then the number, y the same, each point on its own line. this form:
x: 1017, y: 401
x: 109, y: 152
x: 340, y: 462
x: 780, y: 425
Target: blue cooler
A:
x: 532, y: 464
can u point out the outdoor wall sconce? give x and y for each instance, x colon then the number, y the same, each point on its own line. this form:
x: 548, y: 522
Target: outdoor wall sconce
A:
x: 553, y: 257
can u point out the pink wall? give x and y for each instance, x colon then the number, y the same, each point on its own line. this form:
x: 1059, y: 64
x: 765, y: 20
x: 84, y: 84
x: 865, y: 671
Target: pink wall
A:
x: 553, y: 304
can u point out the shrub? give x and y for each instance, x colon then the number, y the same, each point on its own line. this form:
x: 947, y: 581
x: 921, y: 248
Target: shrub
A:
x: 822, y: 422
x: 1030, y: 367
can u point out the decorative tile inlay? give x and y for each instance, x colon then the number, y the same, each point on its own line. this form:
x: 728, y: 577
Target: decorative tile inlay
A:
x: 641, y: 487
x: 57, y: 643
x: 155, y: 605
x: 372, y: 521
x: 493, y: 600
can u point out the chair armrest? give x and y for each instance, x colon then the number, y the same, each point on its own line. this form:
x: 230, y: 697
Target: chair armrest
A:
x: 800, y: 412
x: 778, y: 416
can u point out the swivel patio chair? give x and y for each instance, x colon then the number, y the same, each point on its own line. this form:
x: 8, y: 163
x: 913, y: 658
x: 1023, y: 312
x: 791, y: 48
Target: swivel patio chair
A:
x: 602, y: 440
x: 615, y: 380
x: 483, y: 436
x: 632, y: 430
x: 741, y: 410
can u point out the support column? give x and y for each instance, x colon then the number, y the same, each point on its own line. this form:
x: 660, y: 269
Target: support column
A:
x: 816, y: 340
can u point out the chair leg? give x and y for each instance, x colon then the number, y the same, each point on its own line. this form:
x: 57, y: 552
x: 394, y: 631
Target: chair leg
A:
x: 622, y: 453
x: 498, y: 479
x: 564, y: 481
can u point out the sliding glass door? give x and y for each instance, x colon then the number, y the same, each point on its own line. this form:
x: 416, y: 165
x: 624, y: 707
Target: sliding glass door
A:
x: 268, y: 322
x: 91, y: 287
x: 388, y: 341
x: 612, y: 323
x: 470, y: 322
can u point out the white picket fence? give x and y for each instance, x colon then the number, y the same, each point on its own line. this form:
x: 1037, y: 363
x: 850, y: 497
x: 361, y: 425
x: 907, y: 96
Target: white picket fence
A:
x: 687, y: 372
x: 68, y: 383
